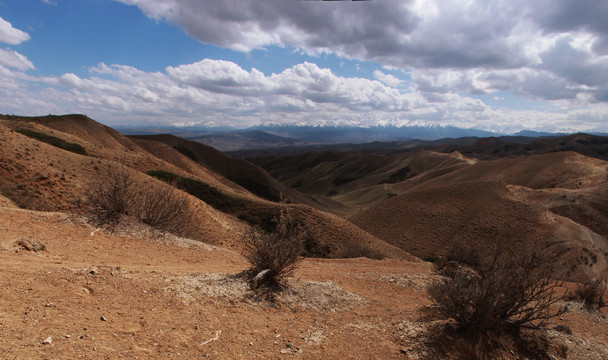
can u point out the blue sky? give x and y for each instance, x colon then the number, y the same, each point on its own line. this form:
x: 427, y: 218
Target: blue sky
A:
x: 501, y: 65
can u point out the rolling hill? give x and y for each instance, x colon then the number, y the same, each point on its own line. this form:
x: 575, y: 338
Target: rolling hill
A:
x: 36, y: 174
x: 559, y: 198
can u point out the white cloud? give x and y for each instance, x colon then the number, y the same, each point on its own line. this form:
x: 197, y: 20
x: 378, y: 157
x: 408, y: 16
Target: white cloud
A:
x: 459, y: 45
x: 13, y: 59
x: 387, y: 79
x: 10, y: 35
x: 222, y: 93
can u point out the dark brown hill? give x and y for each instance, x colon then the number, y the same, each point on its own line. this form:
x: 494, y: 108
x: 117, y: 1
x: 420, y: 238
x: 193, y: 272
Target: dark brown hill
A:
x: 496, y: 148
x: 559, y: 198
x: 359, y: 180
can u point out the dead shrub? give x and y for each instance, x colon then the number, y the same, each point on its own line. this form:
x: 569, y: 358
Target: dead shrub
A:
x: 592, y: 292
x: 165, y: 208
x: 357, y: 250
x: 113, y: 195
x: 508, y: 288
x: 274, y: 256
x: 119, y: 194
x: 23, y: 197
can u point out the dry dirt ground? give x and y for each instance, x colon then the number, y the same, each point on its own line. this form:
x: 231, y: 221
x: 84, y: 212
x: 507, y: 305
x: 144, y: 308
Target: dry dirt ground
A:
x: 138, y: 294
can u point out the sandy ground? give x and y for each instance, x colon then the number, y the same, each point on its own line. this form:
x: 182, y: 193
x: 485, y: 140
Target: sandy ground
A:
x: 138, y: 294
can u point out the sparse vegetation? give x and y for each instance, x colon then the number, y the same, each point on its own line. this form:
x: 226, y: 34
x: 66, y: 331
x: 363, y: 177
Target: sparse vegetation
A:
x: 52, y: 140
x: 208, y: 194
x: 218, y: 200
x: 400, y: 175
x: 119, y: 194
x: 31, y: 244
x: 343, y: 180
x: 185, y: 151
x: 113, y: 195
x: 274, y: 256
x: 356, y: 250
x: 26, y: 199
x: 332, y: 192
x: 592, y: 292
x: 499, y: 289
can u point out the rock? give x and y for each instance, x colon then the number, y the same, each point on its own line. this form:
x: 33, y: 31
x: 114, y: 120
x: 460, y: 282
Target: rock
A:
x: 260, y: 277
x: 103, y: 318
x: 48, y: 341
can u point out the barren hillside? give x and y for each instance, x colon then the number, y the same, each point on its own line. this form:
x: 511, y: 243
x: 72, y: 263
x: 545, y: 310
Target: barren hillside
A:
x: 557, y: 198
x: 38, y: 175
x: 71, y: 287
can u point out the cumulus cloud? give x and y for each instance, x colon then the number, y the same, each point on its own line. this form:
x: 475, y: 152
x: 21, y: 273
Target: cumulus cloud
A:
x: 13, y: 59
x: 10, y: 35
x: 216, y: 92
x: 476, y: 45
x: 387, y: 79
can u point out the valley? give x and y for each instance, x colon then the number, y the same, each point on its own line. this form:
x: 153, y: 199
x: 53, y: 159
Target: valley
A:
x: 382, y: 218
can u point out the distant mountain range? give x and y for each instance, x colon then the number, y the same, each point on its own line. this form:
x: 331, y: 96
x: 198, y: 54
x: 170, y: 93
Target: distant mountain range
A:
x: 279, y: 136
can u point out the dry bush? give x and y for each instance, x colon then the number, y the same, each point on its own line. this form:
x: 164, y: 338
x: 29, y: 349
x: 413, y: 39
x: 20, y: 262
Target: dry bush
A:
x: 112, y: 195
x: 592, y: 292
x: 21, y: 196
x: 357, y: 250
x: 274, y: 256
x: 509, y: 288
x: 165, y: 208
x: 119, y: 194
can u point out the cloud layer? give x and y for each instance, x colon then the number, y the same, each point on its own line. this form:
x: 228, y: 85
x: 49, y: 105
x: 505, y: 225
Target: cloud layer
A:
x: 221, y: 93
x: 488, y: 45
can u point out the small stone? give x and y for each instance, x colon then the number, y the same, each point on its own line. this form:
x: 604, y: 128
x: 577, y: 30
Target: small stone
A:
x: 48, y: 340
x: 251, y: 343
x: 67, y: 336
x: 103, y: 318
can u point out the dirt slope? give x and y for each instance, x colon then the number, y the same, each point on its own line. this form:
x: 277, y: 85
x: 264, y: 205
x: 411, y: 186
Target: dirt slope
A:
x: 549, y: 197
x: 40, y: 176
x: 140, y: 294
x: 358, y: 180
x: 241, y: 172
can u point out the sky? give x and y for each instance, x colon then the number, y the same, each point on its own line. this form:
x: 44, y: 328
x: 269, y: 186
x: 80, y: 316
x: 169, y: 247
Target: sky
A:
x: 500, y: 65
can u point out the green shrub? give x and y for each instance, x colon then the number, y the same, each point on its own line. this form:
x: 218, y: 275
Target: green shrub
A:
x: 52, y: 140
x: 201, y: 190
x: 400, y: 175
x: 186, y: 151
